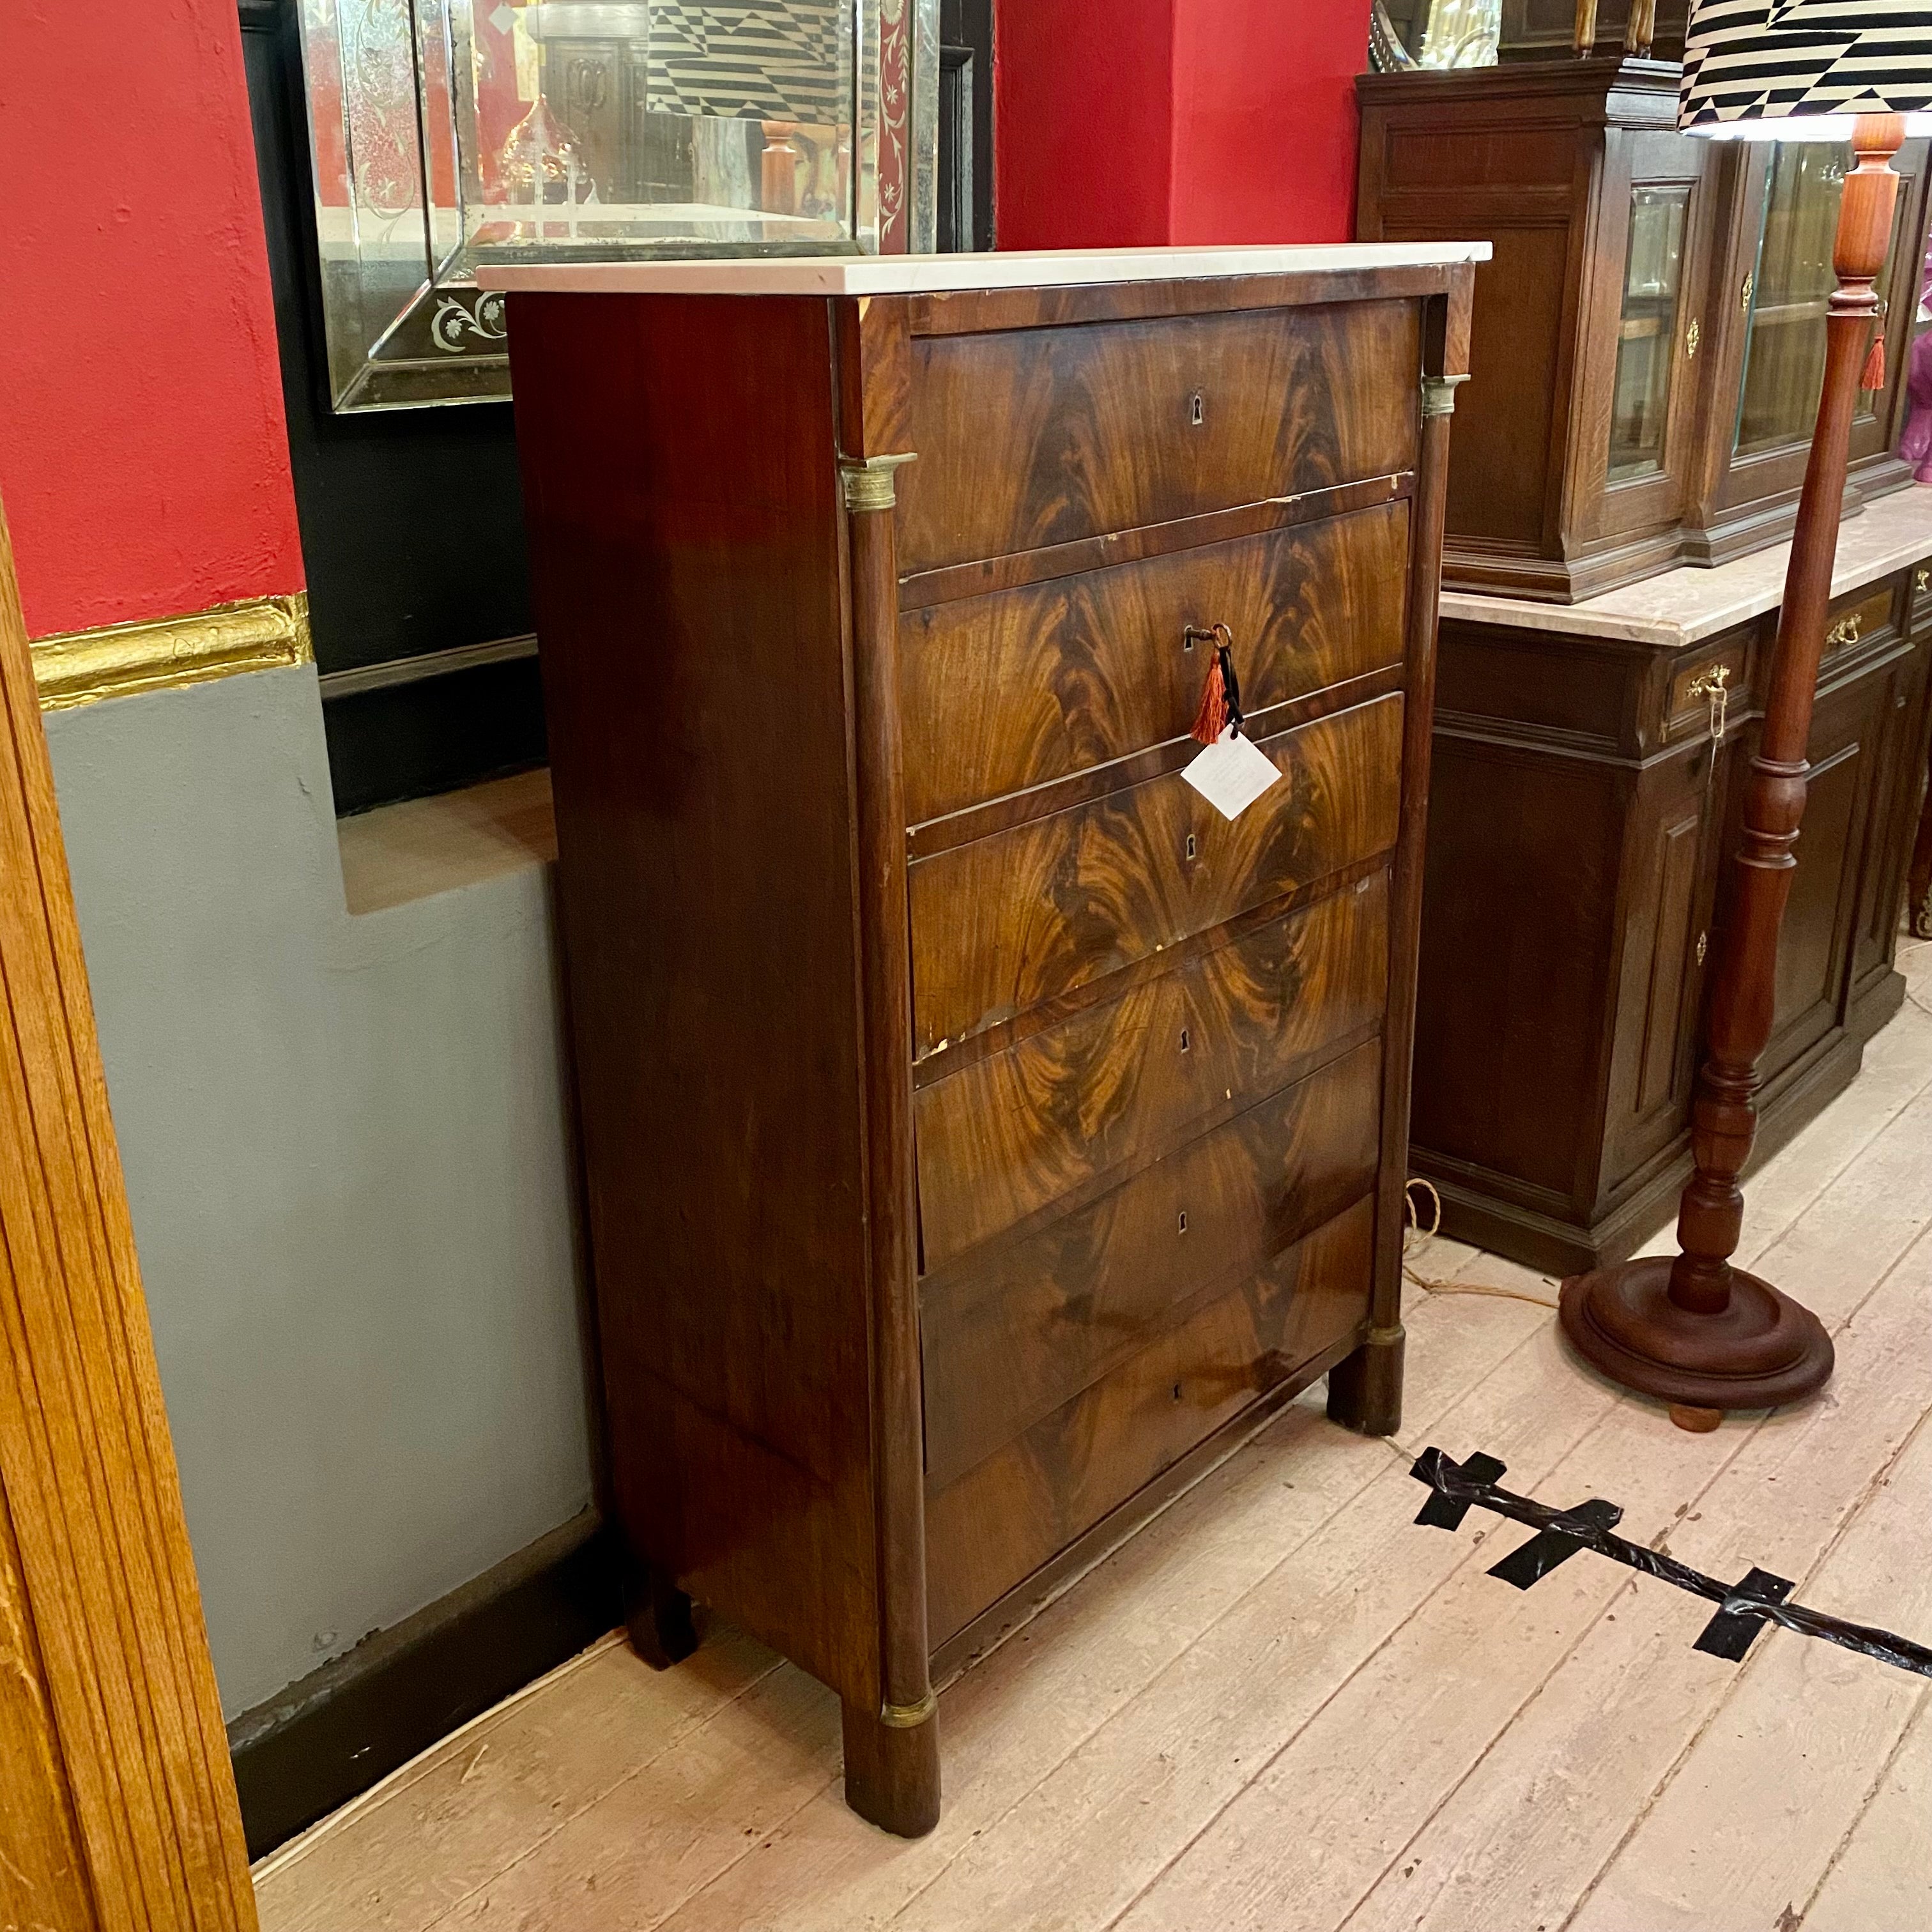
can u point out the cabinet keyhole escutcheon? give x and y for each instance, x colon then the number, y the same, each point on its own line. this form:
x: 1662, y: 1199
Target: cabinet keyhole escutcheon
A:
x: 1190, y: 848
x: 1197, y: 409
x: 1185, y: 1042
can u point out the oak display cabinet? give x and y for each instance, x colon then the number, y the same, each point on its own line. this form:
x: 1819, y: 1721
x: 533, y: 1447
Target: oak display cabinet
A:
x: 1589, y: 761
x: 1648, y: 340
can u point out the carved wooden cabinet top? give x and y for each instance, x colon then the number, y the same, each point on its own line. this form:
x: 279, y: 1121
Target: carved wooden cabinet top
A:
x: 926, y: 274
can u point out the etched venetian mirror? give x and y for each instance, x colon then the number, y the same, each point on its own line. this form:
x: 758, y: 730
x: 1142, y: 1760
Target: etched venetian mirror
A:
x: 442, y: 129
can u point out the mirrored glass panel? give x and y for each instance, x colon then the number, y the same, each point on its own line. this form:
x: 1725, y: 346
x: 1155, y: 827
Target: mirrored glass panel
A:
x: 1434, y: 33
x: 445, y: 130
x: 1647, y: 329
x: 1789, y: 287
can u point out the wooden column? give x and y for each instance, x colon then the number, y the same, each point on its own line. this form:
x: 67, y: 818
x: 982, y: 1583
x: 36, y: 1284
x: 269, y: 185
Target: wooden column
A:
x: 891, y: 1754
x: 119, y: 1808
x: 1365, y: 1391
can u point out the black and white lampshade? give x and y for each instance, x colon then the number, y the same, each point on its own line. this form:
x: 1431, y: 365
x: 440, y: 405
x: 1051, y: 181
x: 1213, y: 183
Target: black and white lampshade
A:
x: 1790, y: 70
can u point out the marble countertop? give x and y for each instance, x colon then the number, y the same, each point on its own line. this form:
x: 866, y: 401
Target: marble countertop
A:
x: 920, y: 275
x: 1691, y: 602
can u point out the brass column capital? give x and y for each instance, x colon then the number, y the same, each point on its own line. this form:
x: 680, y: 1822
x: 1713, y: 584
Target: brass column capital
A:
x: 1438, y: 395
x: 870, y: 482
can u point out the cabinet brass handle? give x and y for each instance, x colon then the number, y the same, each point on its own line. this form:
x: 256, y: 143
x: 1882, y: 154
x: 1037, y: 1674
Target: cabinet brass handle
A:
x: 1744, y: 293
x: 1703, y: 946
x: 1920, y: 579
x: 1714, y: 685
x: 1846, y: 631
x: 1692, y: 336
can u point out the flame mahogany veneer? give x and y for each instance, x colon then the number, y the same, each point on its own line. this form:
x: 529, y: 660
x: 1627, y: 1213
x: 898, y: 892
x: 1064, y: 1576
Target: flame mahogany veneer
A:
x: 981, y: 1132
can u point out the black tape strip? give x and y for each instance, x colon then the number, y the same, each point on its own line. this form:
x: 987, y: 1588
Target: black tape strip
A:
x: 1442, y: 1512
x: 1729, y: 1633
x: 1549, y: 1547
x: 1464, y: 1487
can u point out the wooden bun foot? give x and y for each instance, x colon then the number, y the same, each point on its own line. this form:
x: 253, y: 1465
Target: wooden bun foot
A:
x: 1365, y: 1389
x: 657, y: 1616
x: 1761, y: 1349
x: 891, y: 1775
x: 1698, y: 1421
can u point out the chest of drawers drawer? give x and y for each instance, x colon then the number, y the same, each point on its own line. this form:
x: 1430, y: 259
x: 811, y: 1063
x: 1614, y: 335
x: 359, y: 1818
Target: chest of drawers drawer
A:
x: 1032, y: 437
x: 1007, y: 921
x: 1049, y: 1117
x: 1010, y: 1337
x: 1019, y: 687
x: 1060, y: 1479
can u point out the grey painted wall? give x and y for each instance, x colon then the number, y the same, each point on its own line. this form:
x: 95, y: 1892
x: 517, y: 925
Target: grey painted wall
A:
x: 347, y: 1151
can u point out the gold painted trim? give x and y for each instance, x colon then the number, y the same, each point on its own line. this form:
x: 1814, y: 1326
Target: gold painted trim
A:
x: 76, y: 668
x: 870, y: 484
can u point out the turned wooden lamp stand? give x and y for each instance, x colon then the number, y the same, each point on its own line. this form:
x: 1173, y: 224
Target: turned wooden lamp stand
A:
x: 1704, y: 1335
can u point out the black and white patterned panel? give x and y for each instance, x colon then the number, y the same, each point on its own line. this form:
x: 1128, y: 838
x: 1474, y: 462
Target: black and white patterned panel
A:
x: 1748, y: 60
x: 775, y: 60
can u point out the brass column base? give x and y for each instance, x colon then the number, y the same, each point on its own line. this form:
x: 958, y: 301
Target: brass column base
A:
x: 1762, y: 1349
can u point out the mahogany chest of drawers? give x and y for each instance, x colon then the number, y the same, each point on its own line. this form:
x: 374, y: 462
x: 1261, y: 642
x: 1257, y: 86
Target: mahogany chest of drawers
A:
x: 981, y: 1131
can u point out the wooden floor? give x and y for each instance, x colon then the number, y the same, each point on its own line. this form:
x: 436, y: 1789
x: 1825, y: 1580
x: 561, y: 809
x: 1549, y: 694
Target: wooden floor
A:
x: 1283, y: 1706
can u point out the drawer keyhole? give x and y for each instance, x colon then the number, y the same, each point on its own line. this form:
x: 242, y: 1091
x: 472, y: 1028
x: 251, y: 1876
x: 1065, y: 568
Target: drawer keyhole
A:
x: 1182, y: 1228
x: 1185, y: 1042
x: 1192, y: 850
x: 1197, y: 409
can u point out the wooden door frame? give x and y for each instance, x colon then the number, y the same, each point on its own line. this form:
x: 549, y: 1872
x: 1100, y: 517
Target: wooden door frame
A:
x: 120, y: 1811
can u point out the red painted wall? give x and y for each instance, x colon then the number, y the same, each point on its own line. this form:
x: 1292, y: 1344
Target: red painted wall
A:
x: 1264, y: 125
x: 1083, y: 109
x: 143, y: 460
x: 1153, y: 121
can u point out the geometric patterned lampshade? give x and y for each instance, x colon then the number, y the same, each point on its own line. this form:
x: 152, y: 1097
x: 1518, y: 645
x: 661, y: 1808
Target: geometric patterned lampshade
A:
x: 1781, y: 70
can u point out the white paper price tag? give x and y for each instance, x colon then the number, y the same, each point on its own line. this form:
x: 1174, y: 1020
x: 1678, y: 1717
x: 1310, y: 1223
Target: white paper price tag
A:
x: 1231, y: 773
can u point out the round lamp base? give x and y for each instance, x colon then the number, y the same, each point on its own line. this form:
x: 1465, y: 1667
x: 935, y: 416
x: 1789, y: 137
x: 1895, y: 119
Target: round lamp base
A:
x: 1763, y: 1349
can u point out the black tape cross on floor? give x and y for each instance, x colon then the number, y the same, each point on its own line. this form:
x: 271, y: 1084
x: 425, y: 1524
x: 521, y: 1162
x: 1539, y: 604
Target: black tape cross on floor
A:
x: 1743, y: 1607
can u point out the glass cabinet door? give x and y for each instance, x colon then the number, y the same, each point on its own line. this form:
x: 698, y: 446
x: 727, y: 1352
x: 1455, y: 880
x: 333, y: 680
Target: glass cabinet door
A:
x: 1790, y: 283
x: 1647, y: 329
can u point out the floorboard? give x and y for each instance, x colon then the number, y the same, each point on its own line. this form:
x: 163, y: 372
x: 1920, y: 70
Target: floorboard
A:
x: 1284, y: 1706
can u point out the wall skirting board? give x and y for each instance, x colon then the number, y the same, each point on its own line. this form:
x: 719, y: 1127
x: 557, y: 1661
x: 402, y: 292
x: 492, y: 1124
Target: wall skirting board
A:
x: 341, y: 1729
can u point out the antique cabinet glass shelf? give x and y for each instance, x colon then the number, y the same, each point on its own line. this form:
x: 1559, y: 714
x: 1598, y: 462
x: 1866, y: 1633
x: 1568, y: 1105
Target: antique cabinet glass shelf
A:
x: 1649, y: 339
x: 443, y: 132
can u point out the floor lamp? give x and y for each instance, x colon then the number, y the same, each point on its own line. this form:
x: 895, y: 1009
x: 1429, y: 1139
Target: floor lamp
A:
x: 1690, y: 1328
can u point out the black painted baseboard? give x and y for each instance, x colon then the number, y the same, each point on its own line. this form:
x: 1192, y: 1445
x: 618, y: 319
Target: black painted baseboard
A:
x: 342, y: 1728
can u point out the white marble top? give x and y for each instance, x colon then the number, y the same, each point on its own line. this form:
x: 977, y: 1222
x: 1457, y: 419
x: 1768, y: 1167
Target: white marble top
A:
x: 1691, y: 602
x: 921, y: 274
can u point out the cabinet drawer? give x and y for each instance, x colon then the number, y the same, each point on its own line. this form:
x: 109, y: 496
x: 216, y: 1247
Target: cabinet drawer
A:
x: 1858, y: 618
x: 1111, y: 1086
x: 991, y: 1527
x: 1688, y: 702
x: 1020, y: 687
x: 1010, y: 1336
x: 1029, y: 437
x: 1018, y: 917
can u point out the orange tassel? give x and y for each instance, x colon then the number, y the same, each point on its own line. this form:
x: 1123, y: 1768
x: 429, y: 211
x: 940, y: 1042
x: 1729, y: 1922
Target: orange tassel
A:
x: 1874, y: 377
x: 1212, y: 719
